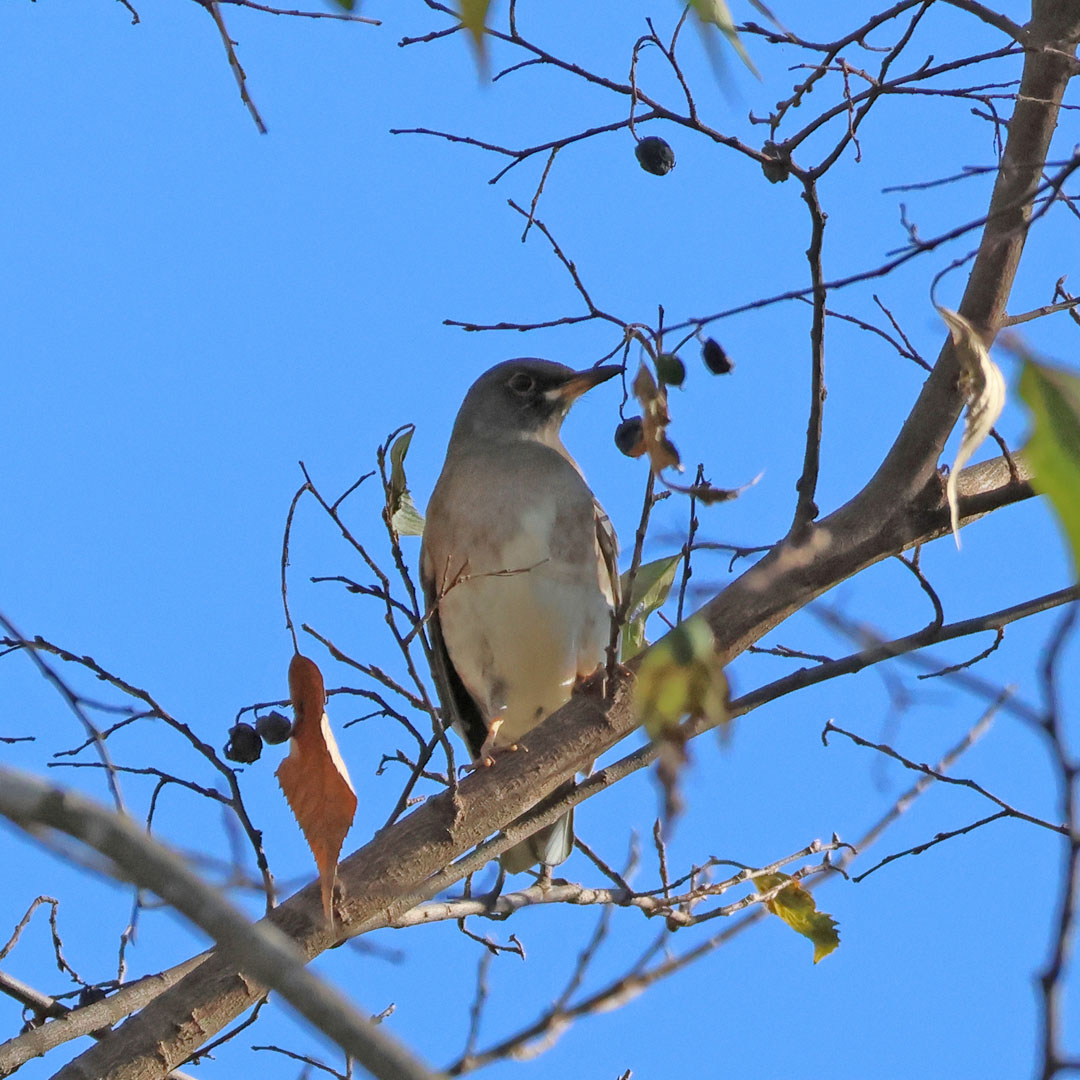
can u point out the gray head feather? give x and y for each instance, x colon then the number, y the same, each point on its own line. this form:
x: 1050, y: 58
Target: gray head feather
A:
x: 522, y: 398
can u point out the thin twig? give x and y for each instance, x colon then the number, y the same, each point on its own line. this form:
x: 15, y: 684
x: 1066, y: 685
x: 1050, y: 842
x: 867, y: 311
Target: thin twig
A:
x: 214, y: 7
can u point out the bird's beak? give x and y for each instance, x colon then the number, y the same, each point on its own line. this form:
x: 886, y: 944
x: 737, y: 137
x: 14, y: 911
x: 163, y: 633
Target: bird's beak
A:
x: 581, y: 381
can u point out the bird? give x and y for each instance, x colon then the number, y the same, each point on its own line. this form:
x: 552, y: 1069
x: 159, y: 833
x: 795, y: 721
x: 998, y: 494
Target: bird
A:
x: 518, y: 565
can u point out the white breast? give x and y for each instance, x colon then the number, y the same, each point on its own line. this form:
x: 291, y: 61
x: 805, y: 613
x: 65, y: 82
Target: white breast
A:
x: 521, y: 629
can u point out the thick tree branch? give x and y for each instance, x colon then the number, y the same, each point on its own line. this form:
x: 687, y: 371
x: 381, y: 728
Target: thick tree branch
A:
x: 39, y: 808
x: 1053, y: 31
x: 75, y: 1023
x: 847, y: 541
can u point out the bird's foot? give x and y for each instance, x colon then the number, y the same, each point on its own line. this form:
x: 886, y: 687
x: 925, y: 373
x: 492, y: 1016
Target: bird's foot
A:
x: 489, y: 750
x: 545, y: 877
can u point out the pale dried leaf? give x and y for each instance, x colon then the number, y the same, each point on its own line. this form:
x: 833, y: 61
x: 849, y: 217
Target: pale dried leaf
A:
x: 984, y: 389
x: 406, y: 519
x: 708, y: 495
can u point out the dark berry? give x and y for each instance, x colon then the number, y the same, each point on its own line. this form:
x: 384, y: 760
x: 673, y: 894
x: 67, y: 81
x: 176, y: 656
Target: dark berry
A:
x: 244, y: 744
x: 777, y: 163
x: 655, y: 156
x: 273, y: 727
x: 716, y: 360
x: 670, y: 369
x: 630, y: 437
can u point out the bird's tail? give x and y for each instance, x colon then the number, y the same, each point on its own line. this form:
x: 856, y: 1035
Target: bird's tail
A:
x: 549, y: 846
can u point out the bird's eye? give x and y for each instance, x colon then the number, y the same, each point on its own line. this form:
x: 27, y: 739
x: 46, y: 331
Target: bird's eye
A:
x: 521, y: 383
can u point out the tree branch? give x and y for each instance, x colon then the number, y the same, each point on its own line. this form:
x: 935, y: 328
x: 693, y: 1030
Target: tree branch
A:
x: 260, y: 949
x: 902, y: 505
x: 407, y: 863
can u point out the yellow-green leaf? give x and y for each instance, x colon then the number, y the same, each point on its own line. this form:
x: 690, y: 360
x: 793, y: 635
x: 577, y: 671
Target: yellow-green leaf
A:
x: 649, y: 590
x: 473, y: 16
x: 681, y: 676
x: 348, y: 5
x: 1053, y: 396
x: 716, y: 13
x: 797, y: 908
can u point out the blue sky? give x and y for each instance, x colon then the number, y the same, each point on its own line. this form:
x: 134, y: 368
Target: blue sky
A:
x: 190, y: 308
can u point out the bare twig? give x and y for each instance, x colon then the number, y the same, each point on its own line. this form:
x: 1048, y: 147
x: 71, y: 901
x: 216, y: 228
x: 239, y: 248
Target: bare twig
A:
x: 214, y: 7
x: 888, y: 751
x: 1052, y: 976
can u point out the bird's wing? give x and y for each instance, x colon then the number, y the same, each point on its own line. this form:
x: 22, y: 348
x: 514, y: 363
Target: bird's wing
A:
x: 459, y: 708
x: 607, y: 544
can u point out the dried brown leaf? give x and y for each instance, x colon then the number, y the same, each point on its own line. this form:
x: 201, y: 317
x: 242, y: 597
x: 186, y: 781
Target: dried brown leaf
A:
x: 654, y: 421
x: 314, y: 778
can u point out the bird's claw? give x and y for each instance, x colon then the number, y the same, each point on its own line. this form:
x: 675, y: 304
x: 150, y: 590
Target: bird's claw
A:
x: 489, y: 751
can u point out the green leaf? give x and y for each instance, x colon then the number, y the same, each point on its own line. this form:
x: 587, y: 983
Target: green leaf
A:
x: 650, y: 589
x: 404, y: 517
x: 1053, y: 396
x: 348, y: 5
x: 797, y: 908
x: 681, y: 676
x: 716, y: 13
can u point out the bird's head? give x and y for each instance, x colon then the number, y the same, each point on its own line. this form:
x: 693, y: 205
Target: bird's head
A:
x: 525, y: 398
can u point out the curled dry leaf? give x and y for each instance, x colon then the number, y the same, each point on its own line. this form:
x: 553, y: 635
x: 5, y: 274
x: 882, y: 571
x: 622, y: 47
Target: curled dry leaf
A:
x: 708, y: 495
x: 401, y: 511
x: 654, y: 421
x: 983, y: 387
x: 314, y: 778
